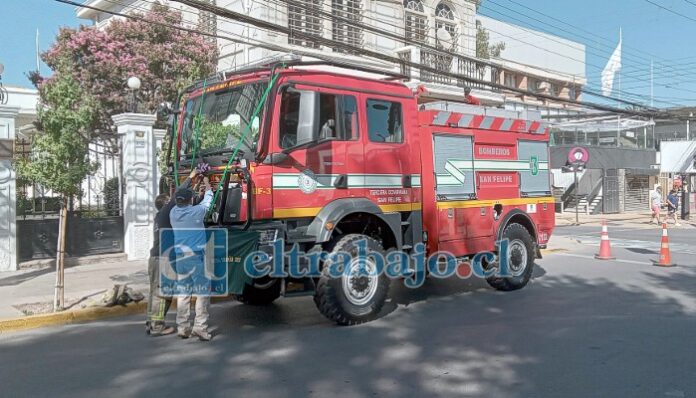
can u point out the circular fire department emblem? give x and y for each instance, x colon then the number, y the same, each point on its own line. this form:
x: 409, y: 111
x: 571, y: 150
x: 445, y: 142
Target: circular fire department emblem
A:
x: 307, y: 182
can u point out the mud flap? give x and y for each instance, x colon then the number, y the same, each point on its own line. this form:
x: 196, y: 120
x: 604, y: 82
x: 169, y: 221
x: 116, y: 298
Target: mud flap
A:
x: 240, y: 244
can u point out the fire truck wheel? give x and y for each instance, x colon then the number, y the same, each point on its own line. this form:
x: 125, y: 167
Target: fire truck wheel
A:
x: 521, y: 255
x: 262, y: 292
x: 355, y: 297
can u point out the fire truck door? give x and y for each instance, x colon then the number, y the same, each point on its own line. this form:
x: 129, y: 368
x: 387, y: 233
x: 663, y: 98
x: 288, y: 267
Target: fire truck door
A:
x: 318, y: 131
x: 389, y: 149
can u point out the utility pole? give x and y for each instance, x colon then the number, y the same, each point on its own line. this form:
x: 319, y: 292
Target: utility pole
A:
x: 652, y: 103
x: 577, y: 197
x: 688, y: 122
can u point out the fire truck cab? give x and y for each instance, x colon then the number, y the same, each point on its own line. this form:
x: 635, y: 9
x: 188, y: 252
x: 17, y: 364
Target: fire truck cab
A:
x: 332, y: 157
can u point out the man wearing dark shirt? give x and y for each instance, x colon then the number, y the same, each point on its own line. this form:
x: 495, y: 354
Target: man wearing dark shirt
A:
x: 673, y: 205
x: 157, y: 306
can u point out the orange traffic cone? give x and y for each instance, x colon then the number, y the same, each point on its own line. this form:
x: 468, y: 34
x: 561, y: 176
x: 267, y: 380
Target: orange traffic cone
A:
x: 604, y: 245
x: 665, y: 258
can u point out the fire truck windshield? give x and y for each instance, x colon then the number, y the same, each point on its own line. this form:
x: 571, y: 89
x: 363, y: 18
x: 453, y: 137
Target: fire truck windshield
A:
x: 216, y: 121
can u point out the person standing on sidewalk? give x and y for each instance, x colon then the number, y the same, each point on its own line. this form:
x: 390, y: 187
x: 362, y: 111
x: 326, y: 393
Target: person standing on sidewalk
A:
x: 673, y: 205
x: 190, y: 243
x: 158, y: 305
x: 656, y: 204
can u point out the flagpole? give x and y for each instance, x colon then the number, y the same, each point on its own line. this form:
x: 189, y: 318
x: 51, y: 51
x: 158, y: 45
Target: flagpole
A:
x: 618, y: 119
x: 38, y: 59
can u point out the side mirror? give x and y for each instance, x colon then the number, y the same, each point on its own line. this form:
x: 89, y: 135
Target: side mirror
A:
x: 277, y: 157
x: 164, y: 110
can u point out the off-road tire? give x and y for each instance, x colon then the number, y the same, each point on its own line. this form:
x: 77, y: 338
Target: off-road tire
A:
x: 331, y: 298
x: 254, y: 295
x: 516, y: 232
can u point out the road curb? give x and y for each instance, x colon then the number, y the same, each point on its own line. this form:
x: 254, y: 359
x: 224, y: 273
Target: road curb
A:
x: 69, y: 317
x: 84, y: 315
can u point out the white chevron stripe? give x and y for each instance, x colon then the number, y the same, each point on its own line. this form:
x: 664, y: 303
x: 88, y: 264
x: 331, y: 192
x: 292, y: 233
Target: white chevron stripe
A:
x: 290, y: 180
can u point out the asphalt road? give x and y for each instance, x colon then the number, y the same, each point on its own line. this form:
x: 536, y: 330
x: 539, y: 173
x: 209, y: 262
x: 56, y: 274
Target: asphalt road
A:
x: 582, y: 328
x: 683, y: 234
x: 642, y: 239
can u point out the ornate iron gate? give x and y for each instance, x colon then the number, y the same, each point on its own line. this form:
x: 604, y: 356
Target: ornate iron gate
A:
x: 95, y: 219
x: 611, y: 192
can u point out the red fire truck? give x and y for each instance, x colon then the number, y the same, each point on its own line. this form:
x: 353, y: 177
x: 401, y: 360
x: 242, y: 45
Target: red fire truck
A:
x: 327, y: 157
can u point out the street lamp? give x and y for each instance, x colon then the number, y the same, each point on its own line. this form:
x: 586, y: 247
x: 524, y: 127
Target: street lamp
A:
x: 134, y: 86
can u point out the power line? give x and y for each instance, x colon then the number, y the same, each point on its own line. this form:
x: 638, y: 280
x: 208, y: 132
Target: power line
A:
x: 324, y: 16
x: 633, y: 76
x: 327, y: 16
x: 587, y: 90
x: 233, y: 15
x: 602, y: 54
x: 669, y: 72
x: 611, y: 42
x: 636, y: 75
x: 332, y: 43
x: 671, y: 10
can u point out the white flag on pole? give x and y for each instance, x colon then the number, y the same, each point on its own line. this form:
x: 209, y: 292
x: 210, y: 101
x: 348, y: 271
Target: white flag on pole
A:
x: 613, y: 66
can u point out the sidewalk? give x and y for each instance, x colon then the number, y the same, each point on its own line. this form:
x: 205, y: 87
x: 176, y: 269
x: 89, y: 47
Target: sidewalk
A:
x: 638, y: 220
x: 82, y: 283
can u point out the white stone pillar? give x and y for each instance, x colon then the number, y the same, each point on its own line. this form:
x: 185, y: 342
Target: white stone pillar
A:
x: 8, y: 194
x: 139, y: 171
x: 157, y: 153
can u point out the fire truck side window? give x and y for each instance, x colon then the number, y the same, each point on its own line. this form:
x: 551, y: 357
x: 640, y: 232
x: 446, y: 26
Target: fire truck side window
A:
x: 348, y: 118
x: 384, y: 121
x: 308, y: 116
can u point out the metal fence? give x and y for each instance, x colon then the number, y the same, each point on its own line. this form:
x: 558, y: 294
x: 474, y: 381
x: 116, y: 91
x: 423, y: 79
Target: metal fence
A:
x: 460, y: 65
x: 95, y: 218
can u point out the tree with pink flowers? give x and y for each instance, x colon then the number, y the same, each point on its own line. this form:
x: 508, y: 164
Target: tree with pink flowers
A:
x: 88, y: 85
x: 165, y: 59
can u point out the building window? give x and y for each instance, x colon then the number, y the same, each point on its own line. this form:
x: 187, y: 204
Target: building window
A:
x: 573, y: 92
x: 303, y: 17
x: 345, y: 26
x: 207, y: 22
x: 444, y: 11
x: 416, y: 22
x: 555, y: 89
x: 510, y: 80
x: 445, y: 39
x: 444, y: 19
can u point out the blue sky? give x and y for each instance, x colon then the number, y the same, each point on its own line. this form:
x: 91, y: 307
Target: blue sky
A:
x: 20, y: 19
x: 648, y: 33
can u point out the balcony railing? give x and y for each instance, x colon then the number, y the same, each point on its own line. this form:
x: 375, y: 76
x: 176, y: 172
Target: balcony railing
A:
x: 447, y: 63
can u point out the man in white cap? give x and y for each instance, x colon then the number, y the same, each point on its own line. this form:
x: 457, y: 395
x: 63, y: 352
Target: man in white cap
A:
x: 190, y: 242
